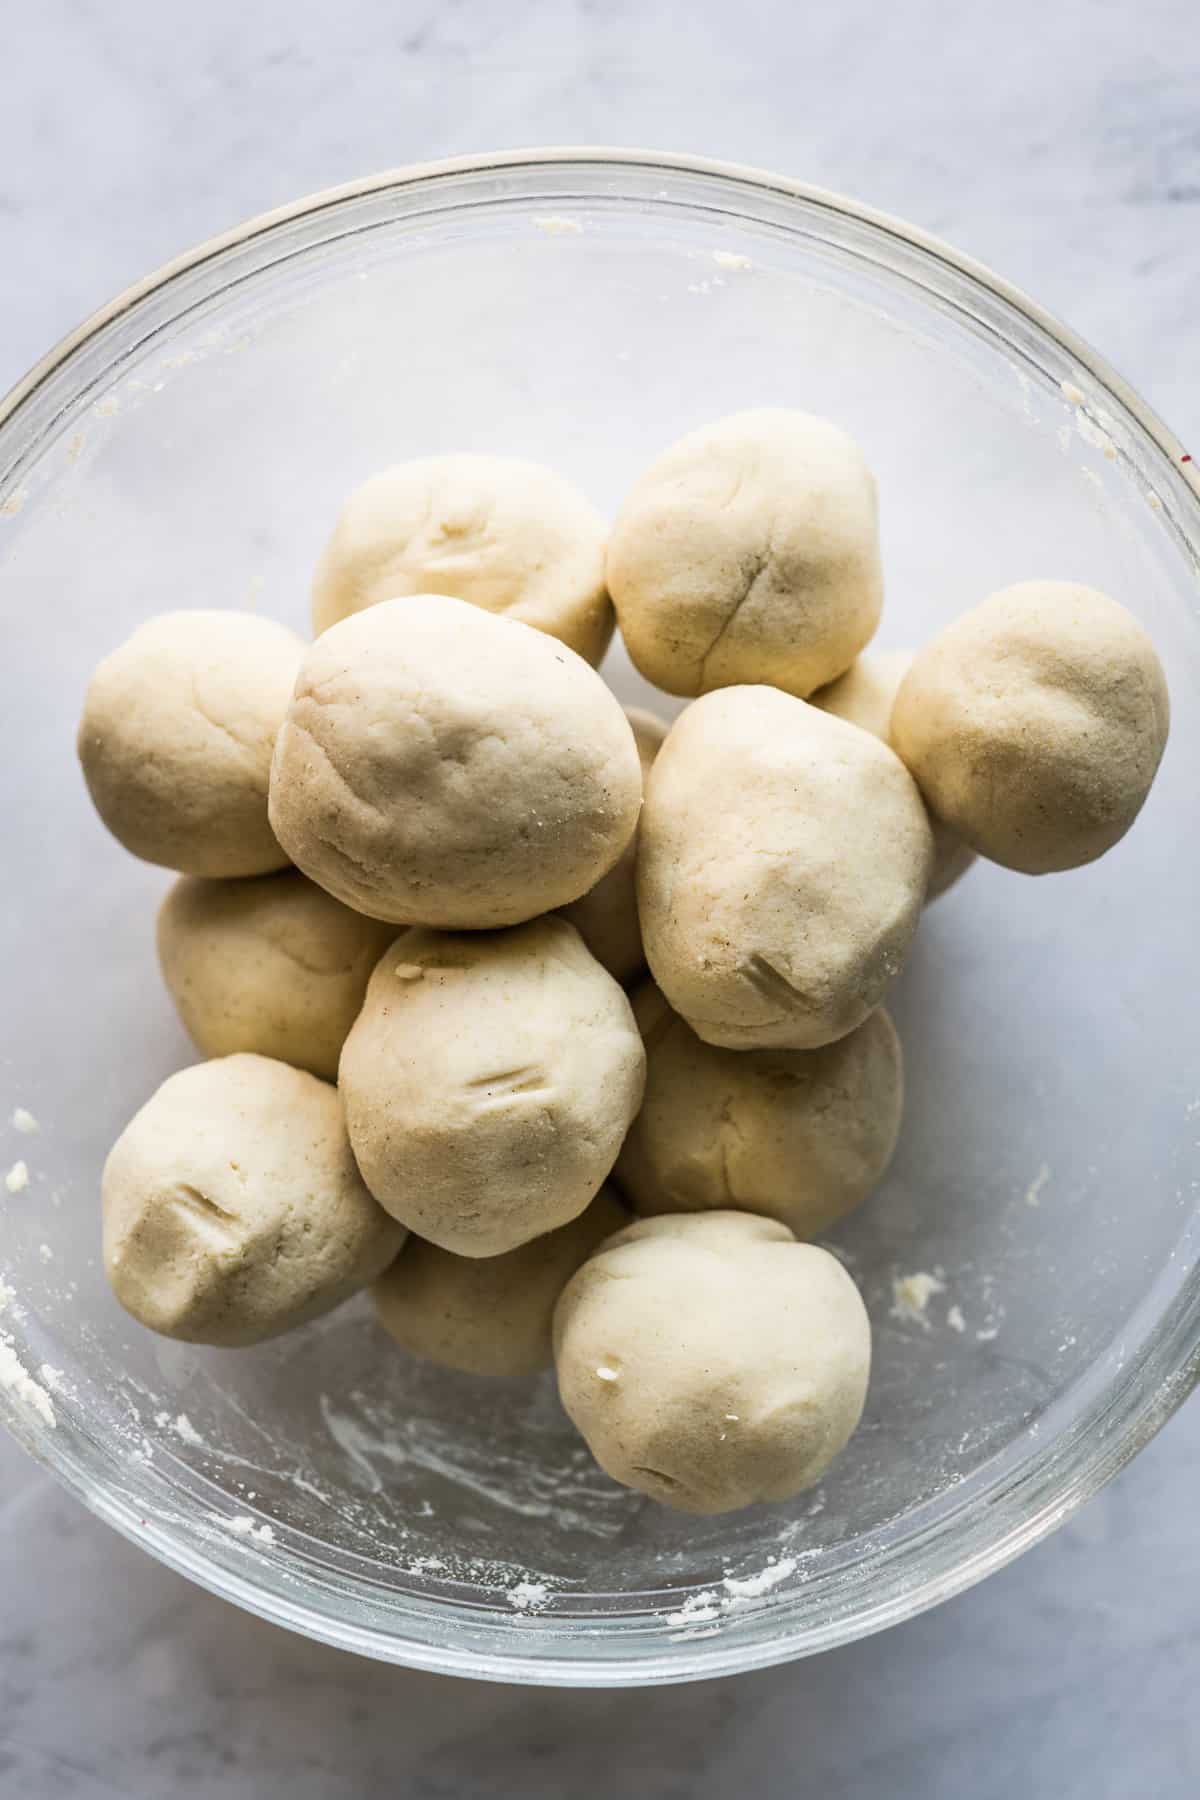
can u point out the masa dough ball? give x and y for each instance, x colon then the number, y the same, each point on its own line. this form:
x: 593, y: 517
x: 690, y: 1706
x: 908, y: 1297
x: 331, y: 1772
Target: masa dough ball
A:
x: 176, y: 738
x: 801, y: 1136
x: 273, y: 965
x: 865, y: 695
x: 441, y: 766
x: 606, y: 917
x: 506, y: 535
x: 782, y: 863
x: 749, y: 552
x: 233, y: 1209
x: 489, y: 1081
x: 711, y: 1361
x: 1035, y: 724
x: 490, y: 1315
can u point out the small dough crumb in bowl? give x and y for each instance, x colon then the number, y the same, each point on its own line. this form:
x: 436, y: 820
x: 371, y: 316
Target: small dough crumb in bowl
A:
x: 407, y: 1510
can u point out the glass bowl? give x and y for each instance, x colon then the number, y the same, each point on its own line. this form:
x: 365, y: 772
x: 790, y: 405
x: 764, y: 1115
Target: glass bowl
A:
x: 189, y: 447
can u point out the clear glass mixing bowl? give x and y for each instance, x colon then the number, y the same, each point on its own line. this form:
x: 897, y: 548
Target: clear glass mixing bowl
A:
x: 189, y: 447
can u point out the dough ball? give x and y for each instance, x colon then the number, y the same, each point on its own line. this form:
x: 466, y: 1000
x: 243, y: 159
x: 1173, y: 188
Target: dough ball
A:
x: 749, y: 552
x: 509, y: 536
x: 1035, y: 724
x: 275, y: 965
x: 176, y: 738
x: 801, y: 1136
x: 489, y: 1081
x: 865, y: 695
x: 440, y: 766
x: 233, y: 1209
x: 606, y: 918
x: 490, y: 1315
x: 783, y: 858
x: 711, y: 1361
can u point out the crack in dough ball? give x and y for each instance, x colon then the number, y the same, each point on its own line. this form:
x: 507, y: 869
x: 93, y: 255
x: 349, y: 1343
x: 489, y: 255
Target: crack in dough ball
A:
x: 509, y: 536
x: 865, y: 695
x: 801, y: 1136
x: 273, y: 965
x: 606, y: 917
x: 749, y: 552
x: 489, y: 1081
x: 176, y: 738
x: 711, y: 1361
x: 1035, y: 724
x: 490, y: 1315
x: 440, y: 766
x: 782, y: 862
x: 233, y: 1209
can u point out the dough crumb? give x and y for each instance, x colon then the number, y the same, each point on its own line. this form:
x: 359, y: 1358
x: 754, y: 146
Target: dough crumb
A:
x: 1070, y: 393
x: 54, y: 1379
x: 23, y: 1120
x: 697, y: 1609
x: 911, y: 1295
x: 243, y: 1525
x: 987, y: 1334
x: 17, y: 1179
x: 16, y: 1380
x: 187, y: 1431
x: 749, y: 1587
x: 529, y: 1596
x: 409, y: 971
x: 46, y: 1253
x: 558, y: 227
x: 954, y: 1318
x: 1033, y: 1193
x: 729, y: 259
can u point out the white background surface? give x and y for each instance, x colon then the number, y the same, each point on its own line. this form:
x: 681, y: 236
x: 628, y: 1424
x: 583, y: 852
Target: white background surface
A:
x: 1061, y: 144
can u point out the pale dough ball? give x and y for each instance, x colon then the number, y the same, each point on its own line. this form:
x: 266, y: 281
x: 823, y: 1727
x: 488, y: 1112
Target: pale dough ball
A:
x: 711, y: 1361
x: 489, y: 1081
x: 274, y: 965
x: 783, y: 858
x: 506, y: 535
x: 490, y: 1315
x: 801, y: 1136
x: 440, y: 766
x: 1035, y: 724
x: 606, y: 917
x: 176, y: 738
x: 749, y: 552
x: 233, y: 1209
x: 865, y: 695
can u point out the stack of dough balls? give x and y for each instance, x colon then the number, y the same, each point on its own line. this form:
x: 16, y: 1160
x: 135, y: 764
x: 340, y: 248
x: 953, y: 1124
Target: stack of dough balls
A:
x: 562, y: 1031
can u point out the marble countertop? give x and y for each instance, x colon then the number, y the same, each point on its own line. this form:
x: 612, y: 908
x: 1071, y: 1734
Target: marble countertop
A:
x: 1061, y: 144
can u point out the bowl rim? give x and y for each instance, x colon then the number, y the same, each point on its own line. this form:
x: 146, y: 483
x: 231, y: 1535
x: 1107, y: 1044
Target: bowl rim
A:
x: 1041, y: 1495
